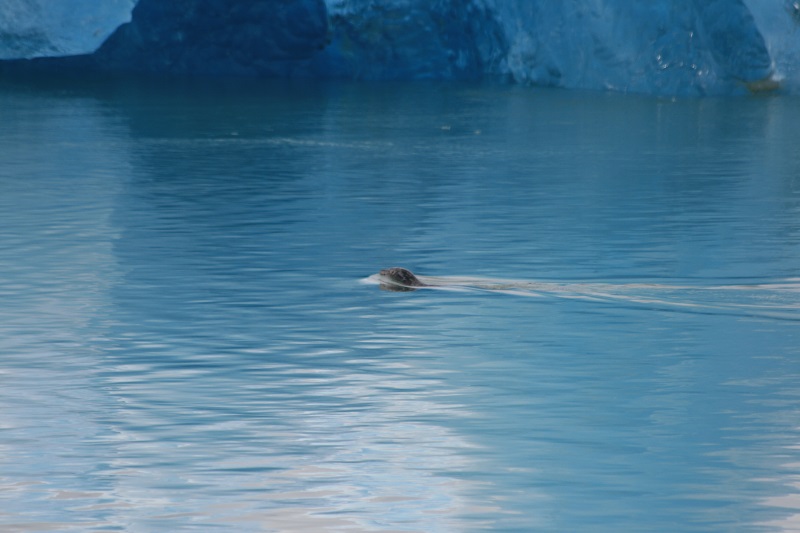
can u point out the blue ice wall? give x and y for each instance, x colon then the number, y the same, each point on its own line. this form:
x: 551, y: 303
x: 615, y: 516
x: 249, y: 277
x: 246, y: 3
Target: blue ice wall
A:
x: 663, y: 47
x: 668, y: 47
x: 255, y: 38
x: 46, y: 28
x: 779, y: 23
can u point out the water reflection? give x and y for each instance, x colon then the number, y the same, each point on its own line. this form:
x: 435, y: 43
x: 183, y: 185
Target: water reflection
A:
x: 186, y: 344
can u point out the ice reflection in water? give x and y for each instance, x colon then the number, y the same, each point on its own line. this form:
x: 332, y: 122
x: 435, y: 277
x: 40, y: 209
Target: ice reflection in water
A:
x: 308, y: 448
x: 184, y: 344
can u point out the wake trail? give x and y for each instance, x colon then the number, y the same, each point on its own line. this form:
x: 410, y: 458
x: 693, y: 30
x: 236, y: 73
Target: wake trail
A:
x: 778, y: 299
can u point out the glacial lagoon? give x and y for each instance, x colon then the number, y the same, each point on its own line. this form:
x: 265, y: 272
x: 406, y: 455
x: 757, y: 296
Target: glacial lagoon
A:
x: 188, y: 343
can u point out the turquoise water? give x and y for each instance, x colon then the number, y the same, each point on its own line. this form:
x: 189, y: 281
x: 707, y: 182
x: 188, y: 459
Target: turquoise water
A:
x: 189, y: 340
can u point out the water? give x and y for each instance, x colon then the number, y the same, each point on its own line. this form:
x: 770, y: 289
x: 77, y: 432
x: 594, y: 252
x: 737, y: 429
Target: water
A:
x: 187, y: 342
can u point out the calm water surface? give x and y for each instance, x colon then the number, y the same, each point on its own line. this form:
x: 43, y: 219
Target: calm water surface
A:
x: 187, y: 342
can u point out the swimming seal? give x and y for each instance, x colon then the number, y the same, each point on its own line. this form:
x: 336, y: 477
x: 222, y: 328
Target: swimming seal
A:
x: 399, y: 279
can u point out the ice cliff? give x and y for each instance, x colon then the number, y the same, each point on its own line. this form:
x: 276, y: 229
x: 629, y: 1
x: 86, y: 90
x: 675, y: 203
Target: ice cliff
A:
x: 670, y: 47
x: 42, y: 28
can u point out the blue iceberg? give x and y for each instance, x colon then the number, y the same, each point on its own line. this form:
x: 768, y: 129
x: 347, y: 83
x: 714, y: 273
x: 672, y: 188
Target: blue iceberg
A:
x: 664, y: 47
x: 44, y: 28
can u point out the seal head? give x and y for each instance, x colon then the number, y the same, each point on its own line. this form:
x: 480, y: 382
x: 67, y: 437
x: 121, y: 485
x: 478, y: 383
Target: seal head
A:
x: 399, y: 279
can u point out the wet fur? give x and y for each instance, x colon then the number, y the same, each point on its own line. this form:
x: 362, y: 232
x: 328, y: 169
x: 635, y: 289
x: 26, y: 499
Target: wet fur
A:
x: 399, y: 279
